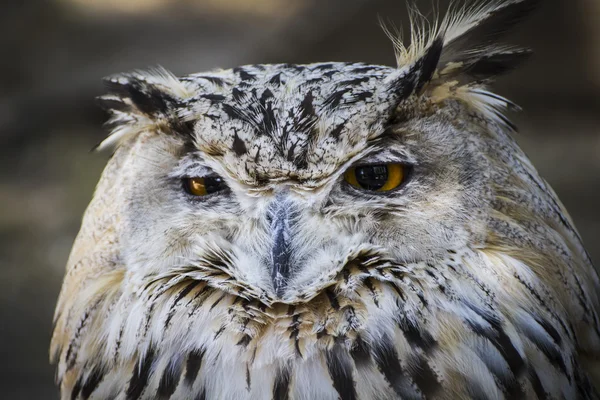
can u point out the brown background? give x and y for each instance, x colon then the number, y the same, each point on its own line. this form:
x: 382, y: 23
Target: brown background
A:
x: 54, y: 52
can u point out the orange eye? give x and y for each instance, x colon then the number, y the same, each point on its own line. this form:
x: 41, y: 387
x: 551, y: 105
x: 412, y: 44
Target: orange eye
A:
x: 203, y: 186
x: 376, y: 178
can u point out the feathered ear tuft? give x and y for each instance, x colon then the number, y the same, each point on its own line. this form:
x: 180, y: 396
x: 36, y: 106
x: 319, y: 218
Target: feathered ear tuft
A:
x: 142, y: 100
x: 415, y: 76
x: 460, y: 55
x: 471, y: 39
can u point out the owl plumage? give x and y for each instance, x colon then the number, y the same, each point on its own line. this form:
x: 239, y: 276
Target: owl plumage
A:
x: 467, y: 280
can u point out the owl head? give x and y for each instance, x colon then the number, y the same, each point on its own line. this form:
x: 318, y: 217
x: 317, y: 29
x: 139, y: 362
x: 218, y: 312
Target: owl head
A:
x: 271, y: 211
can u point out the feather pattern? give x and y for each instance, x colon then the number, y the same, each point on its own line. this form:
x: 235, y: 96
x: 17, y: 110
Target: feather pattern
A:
x: 468, y: 280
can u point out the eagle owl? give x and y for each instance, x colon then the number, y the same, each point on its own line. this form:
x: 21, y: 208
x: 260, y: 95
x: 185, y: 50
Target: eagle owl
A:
x: 328, y: 231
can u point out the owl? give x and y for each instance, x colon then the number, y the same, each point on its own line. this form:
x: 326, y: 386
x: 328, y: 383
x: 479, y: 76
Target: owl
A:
x: 328, y: 231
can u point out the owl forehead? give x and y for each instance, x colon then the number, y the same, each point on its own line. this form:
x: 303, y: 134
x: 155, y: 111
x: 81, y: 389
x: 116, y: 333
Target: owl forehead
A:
x: 288, y: 121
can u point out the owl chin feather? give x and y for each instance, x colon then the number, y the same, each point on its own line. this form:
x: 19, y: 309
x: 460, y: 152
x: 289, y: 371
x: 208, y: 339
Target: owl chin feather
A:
x: 417, y: 329
x: 283, y: 275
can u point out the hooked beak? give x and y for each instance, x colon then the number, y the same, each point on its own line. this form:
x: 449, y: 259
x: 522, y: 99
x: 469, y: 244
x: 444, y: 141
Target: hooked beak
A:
x: 282, y: 215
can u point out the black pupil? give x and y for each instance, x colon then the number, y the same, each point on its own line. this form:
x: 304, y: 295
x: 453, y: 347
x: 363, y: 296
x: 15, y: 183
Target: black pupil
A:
x: 371, y: 177
x: 213, y: 184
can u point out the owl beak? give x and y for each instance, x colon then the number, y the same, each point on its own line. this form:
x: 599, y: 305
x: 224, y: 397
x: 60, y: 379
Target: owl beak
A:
x: 281, y: 216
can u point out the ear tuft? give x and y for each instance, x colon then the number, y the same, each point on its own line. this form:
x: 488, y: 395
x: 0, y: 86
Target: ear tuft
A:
x: 142, y: 100
x: 461, y: 54
x: 479, y: 27
x: 495, y: 63
x: 427, y: 65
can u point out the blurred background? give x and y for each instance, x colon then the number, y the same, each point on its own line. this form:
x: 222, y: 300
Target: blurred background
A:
x: 54, y: 53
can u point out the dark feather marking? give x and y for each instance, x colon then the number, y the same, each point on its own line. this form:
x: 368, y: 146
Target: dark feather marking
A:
x: 253, y: 355
x: 72, y: 350
x: 244, y: 75
x: 500, y: 340
x: 332, y: 299
x: 119, y: 342
x: 550, y: 330
x: 429, y: 62
x: 192, y: 366
x: 425, y: 378
x: 185, y: 128
x: 244, y: 341
x: 266, y: 95
x: 248, y: 380
x: 490, y: 65
x: 117, y: 88
x: 358, y: 97
x: 141, y: 374
x: 538, y: 388
x: 213, y: 79
x: 281, y: 386
x: 213, y: 305
x: 313, y: 81
x: 189, y: 287
x: 399, y: 292
x: 417, y: 337
x: 340, y: 371
x: 214, y: 98
x: 149, y: 100
x: 304, y: 122
x: 360, y: 352
x: 345, y: 271
x: 295, y: 332
x: 269, y: 120
x: 219, y: 331
x: 334, y: 99
x: 403, y: 87
x: 336, y: 132
x: 276, y: 79
x: 239, y: 147
x: 354, y: 82
x: 169, y: 379
x: 420, y: 73
x: 539, y: 298
x: 77, y: 388
x: 307, y: 109
x: 92, y: 382
x: 507, y: 122
x: 371, y: 288
x: 489, y: 29
x: 235, y: 113
x: 550, y: 350
x: 351, y: 319
x: 291, y: 310
x: 321, y: 333
x: 201, y: 395
x: 386, y: 357
x: 237, y: 95
x: 200, y: 298
x: 511, y: 388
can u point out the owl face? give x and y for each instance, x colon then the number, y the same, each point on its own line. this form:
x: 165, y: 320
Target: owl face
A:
x: 327, y: 231
x: 280, y: 156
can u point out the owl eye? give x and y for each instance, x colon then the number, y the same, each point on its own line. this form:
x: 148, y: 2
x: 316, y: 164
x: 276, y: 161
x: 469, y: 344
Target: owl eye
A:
x: 203, y: 186
x: 376, y: 178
